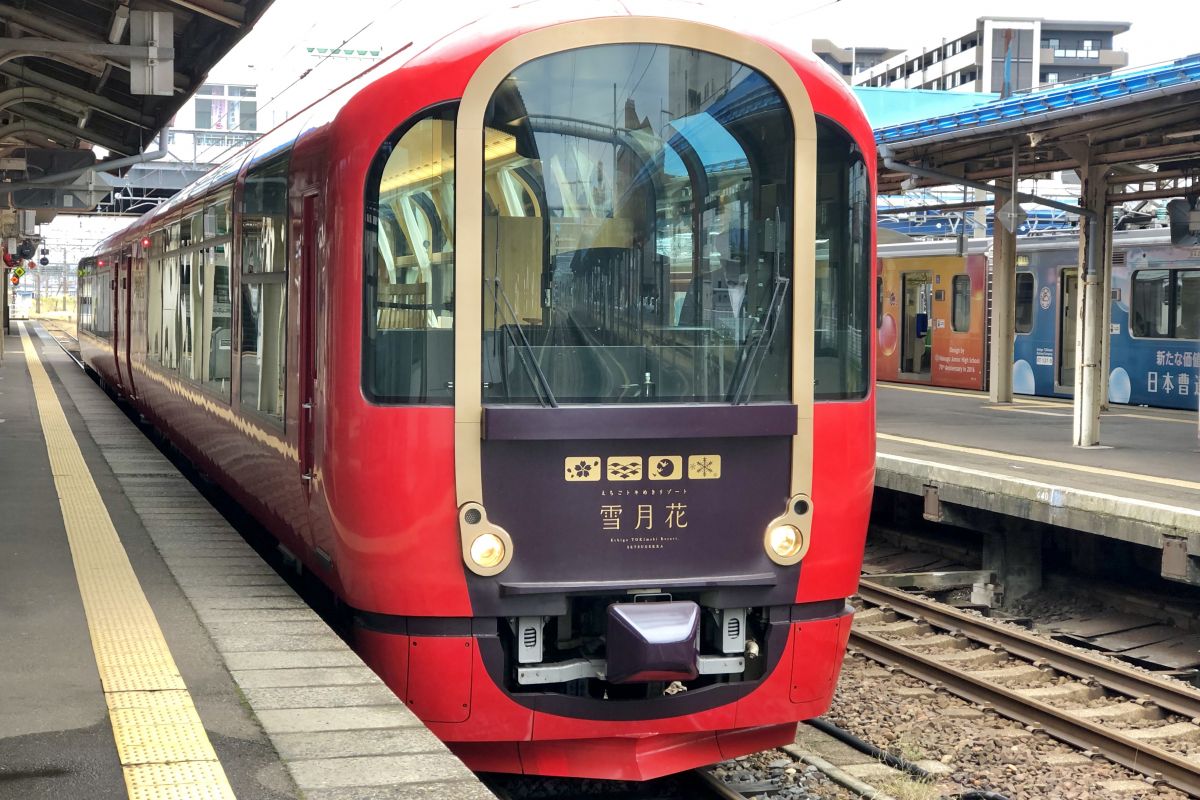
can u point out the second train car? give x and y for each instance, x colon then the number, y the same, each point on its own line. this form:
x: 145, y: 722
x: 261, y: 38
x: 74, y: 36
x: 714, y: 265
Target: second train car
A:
x: 546, y: 345
x: 932, y: 321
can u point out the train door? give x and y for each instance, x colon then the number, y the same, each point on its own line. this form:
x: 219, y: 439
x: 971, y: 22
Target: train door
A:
x: 309, y: 326
x: 1068, y: 292
x: 122, y: 322
x: 915, y: 351
x: 117, y: 281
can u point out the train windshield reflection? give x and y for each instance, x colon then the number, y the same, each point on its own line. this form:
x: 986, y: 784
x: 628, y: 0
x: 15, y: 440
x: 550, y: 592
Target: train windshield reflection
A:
x: 637, y: 206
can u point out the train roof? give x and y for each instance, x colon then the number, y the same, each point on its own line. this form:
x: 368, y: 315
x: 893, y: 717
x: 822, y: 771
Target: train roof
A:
x: 484, y: 33
x: 1026, y: 244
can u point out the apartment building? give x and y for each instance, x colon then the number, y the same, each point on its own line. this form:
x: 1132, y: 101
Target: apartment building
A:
x: 1005, y: 55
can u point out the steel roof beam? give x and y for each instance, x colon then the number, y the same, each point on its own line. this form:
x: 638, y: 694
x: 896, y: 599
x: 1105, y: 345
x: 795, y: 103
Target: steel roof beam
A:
x: 91, y: 99
x: 32, y: 94
x: 75, y: 132
x: 947, y: 179
x: 231, y: 14
x: 44, y: 27
x: 28, y: 126
x: 9, y: 44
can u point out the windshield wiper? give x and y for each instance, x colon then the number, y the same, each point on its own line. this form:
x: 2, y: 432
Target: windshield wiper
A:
x: 746, y: 375
x: 533, y: 370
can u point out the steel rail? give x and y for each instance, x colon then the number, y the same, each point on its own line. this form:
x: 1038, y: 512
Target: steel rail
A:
x: 1174, y: 769
x: 58, y: 334
x: 1169, y: 695
x: 714, y: 785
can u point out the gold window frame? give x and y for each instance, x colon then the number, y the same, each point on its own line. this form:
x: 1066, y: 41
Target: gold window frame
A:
x: 469, y: 180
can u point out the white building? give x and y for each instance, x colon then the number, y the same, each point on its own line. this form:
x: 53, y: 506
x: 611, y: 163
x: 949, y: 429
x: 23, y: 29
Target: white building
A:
x: 1005, y: 54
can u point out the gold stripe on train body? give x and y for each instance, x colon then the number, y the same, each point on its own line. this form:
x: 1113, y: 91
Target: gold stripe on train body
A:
x: 469, y: 182
x: 161, y: 742
x: 222, y: 411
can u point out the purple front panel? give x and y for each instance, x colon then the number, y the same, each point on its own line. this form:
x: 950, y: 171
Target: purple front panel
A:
x: 675, y: 514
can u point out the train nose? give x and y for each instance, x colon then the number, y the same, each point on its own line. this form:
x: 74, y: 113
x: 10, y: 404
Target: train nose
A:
x: 656, y: 641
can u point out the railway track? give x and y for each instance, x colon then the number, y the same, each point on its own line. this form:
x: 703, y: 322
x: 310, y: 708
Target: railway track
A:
x: 1139, y: 720
x: 67, y: 341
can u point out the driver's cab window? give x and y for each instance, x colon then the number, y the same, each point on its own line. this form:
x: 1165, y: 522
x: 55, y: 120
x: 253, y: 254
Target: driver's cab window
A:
x: 409, y: 238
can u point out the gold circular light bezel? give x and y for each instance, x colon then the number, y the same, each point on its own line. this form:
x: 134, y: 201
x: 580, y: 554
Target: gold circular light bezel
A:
x: 797, y: 517
x: 474, y: 526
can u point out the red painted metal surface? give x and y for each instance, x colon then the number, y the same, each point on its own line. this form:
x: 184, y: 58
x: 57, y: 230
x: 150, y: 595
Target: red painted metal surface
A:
x: 381, y: 499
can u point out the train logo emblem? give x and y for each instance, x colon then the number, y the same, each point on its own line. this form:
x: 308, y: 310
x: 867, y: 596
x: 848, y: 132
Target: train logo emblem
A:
x: 583, y: 468
x: 704, y: 468
x: 624, y: 468
x: 1044, y: 298
x: 665, y: 468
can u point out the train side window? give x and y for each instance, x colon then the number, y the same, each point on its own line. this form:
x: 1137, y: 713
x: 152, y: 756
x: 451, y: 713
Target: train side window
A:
x: 879, y: 302
x: 190, y: 297
x: 1024, y: 303
x: 102, y: 297
x: 842, y: 348
x: 408, y: 350
x: 213, y: 368
x: 1187, y: 304
x: 263, y: 345
x: 87, y: 271
x: 960, y: 305
x: 170, y: 312
x: 1150, y: 305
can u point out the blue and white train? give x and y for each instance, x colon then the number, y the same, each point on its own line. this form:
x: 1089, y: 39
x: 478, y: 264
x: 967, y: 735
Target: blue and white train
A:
x: 1154, y: 314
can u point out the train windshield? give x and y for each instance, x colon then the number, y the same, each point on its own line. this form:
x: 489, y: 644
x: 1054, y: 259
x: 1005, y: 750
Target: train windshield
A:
x: 637, y: 212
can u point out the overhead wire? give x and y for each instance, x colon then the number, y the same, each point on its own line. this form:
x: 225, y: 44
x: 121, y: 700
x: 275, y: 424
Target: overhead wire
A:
x: 333, y: 51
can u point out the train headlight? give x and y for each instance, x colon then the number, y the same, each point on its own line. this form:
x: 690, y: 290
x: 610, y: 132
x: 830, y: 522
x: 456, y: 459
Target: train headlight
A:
x: 487, y: 550
x: 785, y: 541
x: 787, y: 538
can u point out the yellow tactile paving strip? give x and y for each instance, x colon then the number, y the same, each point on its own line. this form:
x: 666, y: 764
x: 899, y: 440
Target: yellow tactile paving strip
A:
x: 165, y: 752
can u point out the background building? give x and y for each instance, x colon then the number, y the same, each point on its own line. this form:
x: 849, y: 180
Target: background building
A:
x: 1004, y: 54
x: 850, y: 62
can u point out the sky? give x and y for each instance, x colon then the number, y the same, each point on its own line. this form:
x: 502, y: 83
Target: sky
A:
x: 273, y: 55
x: 1157, y: 35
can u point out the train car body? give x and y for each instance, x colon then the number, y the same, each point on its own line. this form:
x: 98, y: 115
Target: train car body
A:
x: 931, y: 310
x: 545, y: 344
x: 1154, y: 356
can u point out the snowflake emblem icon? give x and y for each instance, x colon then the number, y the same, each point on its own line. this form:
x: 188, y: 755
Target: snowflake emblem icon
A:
x: 704, y: 468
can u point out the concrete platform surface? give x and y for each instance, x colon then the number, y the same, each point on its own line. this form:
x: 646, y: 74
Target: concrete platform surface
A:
x: 1142, y: 485
x: 290, y: 711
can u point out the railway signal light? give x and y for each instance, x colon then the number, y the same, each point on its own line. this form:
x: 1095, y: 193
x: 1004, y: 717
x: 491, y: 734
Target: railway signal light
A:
x: 145, y: 242
x: 15, y: 280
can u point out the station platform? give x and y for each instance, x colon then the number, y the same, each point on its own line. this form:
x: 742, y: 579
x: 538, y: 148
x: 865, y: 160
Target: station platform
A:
x: 959, y: 451
x: 149, y: 652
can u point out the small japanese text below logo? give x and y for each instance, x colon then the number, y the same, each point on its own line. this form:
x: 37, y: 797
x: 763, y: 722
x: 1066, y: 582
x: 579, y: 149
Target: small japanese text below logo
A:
x: 704, y: 468
x: 624, y: 468
x: 583, y: 468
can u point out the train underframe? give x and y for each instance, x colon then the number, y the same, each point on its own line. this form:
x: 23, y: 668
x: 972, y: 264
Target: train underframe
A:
x: 463, y: 678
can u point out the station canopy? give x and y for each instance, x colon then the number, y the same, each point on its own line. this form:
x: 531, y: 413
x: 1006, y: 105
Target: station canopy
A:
x: 111, y: 73
x: 1143, y: 123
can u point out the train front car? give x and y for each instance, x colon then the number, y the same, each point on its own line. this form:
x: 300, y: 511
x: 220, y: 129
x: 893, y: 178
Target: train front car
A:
x: 633, y: 267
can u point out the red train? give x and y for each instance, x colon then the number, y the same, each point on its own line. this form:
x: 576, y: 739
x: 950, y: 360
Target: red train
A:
x: 547, y: 346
